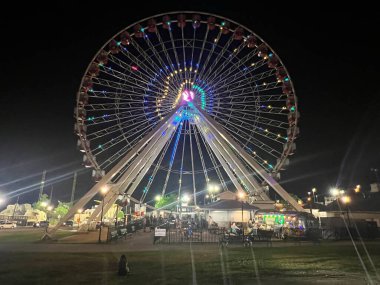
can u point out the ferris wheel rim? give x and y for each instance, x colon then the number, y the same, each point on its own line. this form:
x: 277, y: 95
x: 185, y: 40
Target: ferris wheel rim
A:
x: 293, y: 134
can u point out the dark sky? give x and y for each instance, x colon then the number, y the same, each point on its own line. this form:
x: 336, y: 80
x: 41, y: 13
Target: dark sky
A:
x: 331, y: 54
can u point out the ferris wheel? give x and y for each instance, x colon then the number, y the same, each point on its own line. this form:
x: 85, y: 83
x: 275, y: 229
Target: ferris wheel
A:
x: 209, y: 77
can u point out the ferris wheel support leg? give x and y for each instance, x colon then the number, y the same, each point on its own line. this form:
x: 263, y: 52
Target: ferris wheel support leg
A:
x: 109, y: 175
x: 218, y: 155
x: 226, y: 153
x: 145, y: 159
x: 256, y: 167
x: 241, y: 171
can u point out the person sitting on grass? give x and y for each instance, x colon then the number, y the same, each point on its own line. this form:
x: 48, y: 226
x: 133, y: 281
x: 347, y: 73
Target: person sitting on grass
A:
x: 123, y: 266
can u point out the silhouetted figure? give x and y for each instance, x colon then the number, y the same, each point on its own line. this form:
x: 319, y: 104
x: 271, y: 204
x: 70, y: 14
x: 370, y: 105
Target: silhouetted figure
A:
x: 123, y: 266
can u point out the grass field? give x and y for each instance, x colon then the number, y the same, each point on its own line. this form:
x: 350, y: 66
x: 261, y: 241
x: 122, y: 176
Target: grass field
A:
x: 327, y: 263
x: 11, y: 236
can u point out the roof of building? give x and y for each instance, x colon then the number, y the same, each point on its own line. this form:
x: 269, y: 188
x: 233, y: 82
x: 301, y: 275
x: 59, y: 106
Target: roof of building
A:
x: 228, y: 205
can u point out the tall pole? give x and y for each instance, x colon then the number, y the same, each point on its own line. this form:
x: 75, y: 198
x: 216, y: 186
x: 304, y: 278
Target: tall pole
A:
x: 242, y: 226
x: 14, y: 209
x: 51, y: 193
x: 73, y: 188
x: 101, y: 222
x: 42, y: 185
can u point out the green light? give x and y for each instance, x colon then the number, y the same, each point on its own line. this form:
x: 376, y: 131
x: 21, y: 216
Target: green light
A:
x: 223, y: 24
x: 292, y: 109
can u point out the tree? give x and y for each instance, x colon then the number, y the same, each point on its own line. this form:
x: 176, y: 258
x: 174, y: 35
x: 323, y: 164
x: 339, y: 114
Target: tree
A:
x: 62, y: 208
x: 42, y: 203
x: 168, y: 202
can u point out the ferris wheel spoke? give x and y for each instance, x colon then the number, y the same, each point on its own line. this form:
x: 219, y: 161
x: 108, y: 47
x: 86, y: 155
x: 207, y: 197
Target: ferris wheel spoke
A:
x: 177, y: 63
x: 148, y: 59
x: 264, y: 121
x: 245, y: 98
x: 274, y: 111
x: 168, y: 58
x: 192, y: 55
x: 234, y: 74
x: 217, y: 66
x: 137, y: 74
x: 117, y: 86
x: 172, y: 159
x: 254, y: 80
x: 214, y: 163
x: 150, y: 72
x: 239, y: 134
x: 115, y: 117
x: 113, y: 129
x: 192, y: 165
x: 243, y: 128
x: 182, y: 158
x: 201, y: 51
x: 133, y: 129
x: 126, y: 74
x: 203, y: 68
x: 201, y: 155
x: 236, y: 81
x: 158, y: 164
x: 224, y: 71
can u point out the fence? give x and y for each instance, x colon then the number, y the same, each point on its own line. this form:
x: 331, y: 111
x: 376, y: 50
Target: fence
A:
x: 186, y: 235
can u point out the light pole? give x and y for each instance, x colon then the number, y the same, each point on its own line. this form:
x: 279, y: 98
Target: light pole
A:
x: 310, y: 202
x: 314, y: 190
x: 347, y: 200
x: 241, y: 196
x: 212, y: 189
x: 78, y: 220
x: 14, y: 209
x: 103, y: 191
x: 204, y: 199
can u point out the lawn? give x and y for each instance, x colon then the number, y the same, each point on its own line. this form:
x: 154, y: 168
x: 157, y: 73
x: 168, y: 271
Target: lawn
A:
x: 11, y: 236
x: 328, y: 263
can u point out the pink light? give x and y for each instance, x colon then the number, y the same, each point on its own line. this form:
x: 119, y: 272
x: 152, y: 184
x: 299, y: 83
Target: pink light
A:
x: 135, y: 68
x: 188, y: 95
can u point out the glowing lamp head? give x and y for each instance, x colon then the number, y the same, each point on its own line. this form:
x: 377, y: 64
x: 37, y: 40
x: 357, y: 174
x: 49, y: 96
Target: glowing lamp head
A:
x: 187, y: 96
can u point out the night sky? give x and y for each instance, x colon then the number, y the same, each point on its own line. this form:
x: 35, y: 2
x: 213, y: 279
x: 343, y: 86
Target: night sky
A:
x: 330, y: 53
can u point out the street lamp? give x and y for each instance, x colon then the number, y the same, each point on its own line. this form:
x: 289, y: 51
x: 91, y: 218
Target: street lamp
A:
x: 334, y: 192
x: 157, y: 198
x: 103, y: 191
x: 204, y: 199
x: 241, y: 196
x: 347, y: 200
x: 78, y: 219
x: 212, y: 189
x: 309, y: 200
x: 314, y: 190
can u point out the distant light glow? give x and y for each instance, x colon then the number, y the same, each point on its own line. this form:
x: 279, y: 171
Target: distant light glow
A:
x: 188, y: 95
x: 134, y: 67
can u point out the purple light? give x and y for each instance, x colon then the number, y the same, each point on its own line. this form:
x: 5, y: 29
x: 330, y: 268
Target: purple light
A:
x: 187, y: 95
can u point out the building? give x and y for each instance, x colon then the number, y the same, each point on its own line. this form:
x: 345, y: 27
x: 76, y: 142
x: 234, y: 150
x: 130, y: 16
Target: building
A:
x: 228, y: 208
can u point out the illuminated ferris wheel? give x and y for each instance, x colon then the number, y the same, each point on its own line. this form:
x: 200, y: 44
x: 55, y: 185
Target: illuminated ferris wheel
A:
x: 208, y: 71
